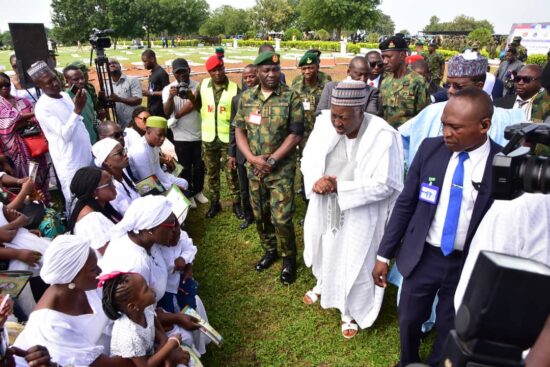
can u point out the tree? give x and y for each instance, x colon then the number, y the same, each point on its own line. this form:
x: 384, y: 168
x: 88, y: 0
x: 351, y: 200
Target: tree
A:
x: 339, y: 15
x: 384, y: 25
x: 226, y: 20
x: 482, y: 35
x: 5, y: 39
x: 275, y: 15
x: 404, y: 31
x: 459, y: 23
x: 73, y: 20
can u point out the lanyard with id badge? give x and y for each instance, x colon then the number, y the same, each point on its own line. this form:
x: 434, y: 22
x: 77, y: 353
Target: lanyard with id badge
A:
x: 429, y: 193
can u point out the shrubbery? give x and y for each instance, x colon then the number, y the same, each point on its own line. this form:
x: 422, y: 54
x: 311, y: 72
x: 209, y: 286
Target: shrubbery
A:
x: 292, y: 32
x: 539, y: 59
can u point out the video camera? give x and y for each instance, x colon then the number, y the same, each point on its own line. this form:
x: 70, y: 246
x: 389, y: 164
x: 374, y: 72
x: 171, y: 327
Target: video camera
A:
x: 99, y: 39
x: 517, y: 169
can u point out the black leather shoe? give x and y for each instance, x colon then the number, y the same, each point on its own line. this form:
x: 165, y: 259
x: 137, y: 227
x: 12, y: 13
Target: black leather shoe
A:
x: 215, y: 208
x: 247, y: 222
x: 267, y: 260
x: 238, y: 211
x: 288, y: 273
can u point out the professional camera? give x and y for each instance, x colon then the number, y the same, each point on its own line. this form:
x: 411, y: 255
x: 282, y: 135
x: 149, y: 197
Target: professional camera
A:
x: 100, y: 39
x: 183, y: 89
x: 517, y: 169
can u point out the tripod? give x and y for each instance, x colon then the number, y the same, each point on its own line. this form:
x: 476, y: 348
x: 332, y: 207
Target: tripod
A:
x: 105, y: 81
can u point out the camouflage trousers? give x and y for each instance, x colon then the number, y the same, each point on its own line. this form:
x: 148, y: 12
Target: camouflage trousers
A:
x: 272, y: 200
x: 215, y: 160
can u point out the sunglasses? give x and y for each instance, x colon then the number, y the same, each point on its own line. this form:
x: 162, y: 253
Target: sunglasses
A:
x: 118, y: 135
x: 121, y: 153
x: 525, y: 79
x: 374, y: 64
x: 108, y: 184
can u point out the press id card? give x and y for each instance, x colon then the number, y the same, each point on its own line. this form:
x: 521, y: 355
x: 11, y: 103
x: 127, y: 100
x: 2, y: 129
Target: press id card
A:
x: 255, y: 118
x: 429, y: 193
x: 307, y: 105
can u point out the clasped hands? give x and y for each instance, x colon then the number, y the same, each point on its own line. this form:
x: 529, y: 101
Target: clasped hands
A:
x: 325, y: 185
x: 261, y: 167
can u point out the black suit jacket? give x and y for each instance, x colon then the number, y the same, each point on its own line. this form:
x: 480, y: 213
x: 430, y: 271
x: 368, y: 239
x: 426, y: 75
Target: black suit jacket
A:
x: 372, y: 106
x: 232, y: 149
x: 507, y: 101
x: 411, y: 218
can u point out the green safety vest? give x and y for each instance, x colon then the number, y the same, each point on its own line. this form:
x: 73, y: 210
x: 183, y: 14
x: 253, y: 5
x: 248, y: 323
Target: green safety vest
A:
x: 209, y: 113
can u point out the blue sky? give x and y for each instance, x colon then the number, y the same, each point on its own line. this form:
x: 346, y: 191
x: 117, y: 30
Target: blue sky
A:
x: 407, y: 14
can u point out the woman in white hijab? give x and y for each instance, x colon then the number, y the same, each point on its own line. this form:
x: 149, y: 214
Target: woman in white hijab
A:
x: 69, y: 320
x: 110, y: 155
x: 136, y: 247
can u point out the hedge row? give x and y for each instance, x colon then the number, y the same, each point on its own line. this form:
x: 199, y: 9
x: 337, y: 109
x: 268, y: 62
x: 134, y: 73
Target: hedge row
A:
x: 539, y: 59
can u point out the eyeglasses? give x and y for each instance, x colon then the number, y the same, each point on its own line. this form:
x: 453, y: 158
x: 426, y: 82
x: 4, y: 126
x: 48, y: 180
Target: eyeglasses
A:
x: 122, y: 152
x: 172, y: 224
x: 455, y: 86
x: 525, y: 79
x: 111, y: 183
x: 374, y: 64
x: 118, y: 135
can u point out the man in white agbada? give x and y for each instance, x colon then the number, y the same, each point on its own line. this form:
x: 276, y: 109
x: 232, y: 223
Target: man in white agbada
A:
x: 353, y: 172
x: 144, y: 155
x: 519, y: 227
x: 61, y: 121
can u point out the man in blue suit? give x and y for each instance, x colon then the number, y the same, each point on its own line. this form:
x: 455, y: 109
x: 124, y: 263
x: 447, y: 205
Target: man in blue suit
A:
x: 446, y: 194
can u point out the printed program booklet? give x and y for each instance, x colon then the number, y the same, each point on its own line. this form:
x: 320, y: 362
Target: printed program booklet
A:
x: 206, y: 328
x: 12, y: 282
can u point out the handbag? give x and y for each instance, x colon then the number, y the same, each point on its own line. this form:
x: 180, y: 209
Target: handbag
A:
x: 35, y: 140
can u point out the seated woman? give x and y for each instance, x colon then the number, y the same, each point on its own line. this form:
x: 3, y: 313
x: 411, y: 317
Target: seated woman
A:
x: 17, y: 113
x: 136, y: 129
x: 93, y: 215
x: 110, y: 155
x: 69, y: 320
x: 135, y: 247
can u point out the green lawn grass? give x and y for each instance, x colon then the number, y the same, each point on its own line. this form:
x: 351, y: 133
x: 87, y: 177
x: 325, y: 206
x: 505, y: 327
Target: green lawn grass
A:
x: 265, y: 323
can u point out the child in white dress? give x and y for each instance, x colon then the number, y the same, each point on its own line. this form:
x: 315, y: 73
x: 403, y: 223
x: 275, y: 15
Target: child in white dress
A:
x: 137, y: 334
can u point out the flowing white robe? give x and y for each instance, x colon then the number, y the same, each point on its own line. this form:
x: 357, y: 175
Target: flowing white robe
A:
x: 344, y: 261
x: 518, y: 228
x: 68, y: 140
x: 145, y: 161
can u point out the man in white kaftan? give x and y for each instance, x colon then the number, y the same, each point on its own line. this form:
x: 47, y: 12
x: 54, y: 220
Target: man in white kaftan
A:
x: 353, y: 173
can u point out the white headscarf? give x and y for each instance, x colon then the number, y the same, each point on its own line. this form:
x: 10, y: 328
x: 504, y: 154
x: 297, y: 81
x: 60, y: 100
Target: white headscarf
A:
x: 102, y: 149
x: 64, y: 258
x: 144, y: 213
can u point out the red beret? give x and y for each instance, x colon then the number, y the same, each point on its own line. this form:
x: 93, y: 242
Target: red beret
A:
x: 213, y: 62
x: 413, y: 58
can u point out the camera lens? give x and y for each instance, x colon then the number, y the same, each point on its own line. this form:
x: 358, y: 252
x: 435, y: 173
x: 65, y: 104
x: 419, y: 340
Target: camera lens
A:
x: 535, y: 174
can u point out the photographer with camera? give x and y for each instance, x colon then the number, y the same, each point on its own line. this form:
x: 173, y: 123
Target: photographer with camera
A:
x: 508, y: 69
x: 185, y: 120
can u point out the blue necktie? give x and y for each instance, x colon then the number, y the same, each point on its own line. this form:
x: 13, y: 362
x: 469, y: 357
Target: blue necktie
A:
x: 453, y: 210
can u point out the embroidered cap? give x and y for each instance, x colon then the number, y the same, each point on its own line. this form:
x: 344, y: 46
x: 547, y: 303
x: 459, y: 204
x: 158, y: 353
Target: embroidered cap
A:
x: 349, y: 93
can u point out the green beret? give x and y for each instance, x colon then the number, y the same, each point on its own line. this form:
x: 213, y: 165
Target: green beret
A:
x: 419, y: 43
x: 157, y: 121
x: 268, y: 58
x: 309, y: 58
x: 81, y: 65
x: 393, y: 44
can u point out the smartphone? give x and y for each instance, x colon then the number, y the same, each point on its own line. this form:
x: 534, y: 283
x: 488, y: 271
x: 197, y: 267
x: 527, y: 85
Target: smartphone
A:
x: 74, y: 88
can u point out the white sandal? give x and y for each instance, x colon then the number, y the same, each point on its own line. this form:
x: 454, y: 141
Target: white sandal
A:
x: 311, y: 297
x: 348, y: 324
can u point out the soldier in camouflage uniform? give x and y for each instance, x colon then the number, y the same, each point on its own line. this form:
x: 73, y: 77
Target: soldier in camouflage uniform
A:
x: 436, y: 65
x: 522, y: 51
x: 268, y: 126
x: 404, y: 92
x: 215, y: 98
x: 541, y: 107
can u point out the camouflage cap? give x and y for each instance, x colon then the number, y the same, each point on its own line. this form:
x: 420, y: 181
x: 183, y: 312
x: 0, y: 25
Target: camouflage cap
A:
x: 467, y: 65
x: 309, y: 58
x: 393, y: 44
x: 517, y: 38
x: 267, y: 58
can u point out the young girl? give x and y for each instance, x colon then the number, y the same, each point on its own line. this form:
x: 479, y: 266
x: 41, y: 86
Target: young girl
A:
x: 129, y: 301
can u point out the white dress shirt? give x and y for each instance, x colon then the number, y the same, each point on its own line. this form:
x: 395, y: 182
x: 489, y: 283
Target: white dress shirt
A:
x: 474, y: 167
x: 525, y: 105
x: 374, y: 82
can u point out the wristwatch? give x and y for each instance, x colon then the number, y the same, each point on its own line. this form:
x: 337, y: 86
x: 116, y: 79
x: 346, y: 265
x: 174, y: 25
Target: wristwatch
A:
x: 272, y: 162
